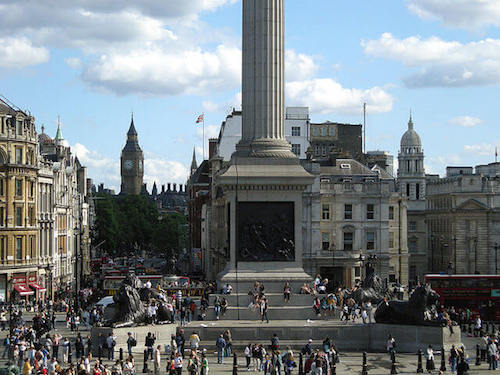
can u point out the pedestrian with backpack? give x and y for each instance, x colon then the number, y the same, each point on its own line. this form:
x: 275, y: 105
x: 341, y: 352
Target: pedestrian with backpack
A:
x: 131, y: 342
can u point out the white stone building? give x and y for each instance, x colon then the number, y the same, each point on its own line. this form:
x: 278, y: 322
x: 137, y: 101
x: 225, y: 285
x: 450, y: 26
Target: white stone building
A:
x: 296, y: 132
x: 412, y: 183
x: 361, y: 214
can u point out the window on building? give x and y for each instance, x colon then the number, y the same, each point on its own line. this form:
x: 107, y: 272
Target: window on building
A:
x: 316, y: 150
x: 348, y: 211
x: 348, y: 241
x: 19, y: 216
x: 391, y: 240
x: 323, y: 131
x: 3, y: 253
x: 408, y: 190
x: 325, y: 241
x: 19, y: 155
x: 2, y: 187
x: 19, y: 187
x: 370, y: 211
x: 19, y: 248
x: 391, y: 212
x: 296, y: 131
x: 325, y: 212
x: 315, y: 131
x: 370, y: 240
x: 408, y: 166
x: 32, y: 247
x: 296, y: 149
x: 331, y: 131
x: 357, y: 271
x: 323, y: 150
x: 31, y: 215
x: 413, y: 226
x: 32, y: 189
x: 2, y: 216
x: 19, y: 127
x: 413, y: 245
x: 417, y: 191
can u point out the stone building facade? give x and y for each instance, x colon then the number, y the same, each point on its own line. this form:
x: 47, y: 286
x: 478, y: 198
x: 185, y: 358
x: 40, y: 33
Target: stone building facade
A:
x: 43, y: 210
x: 332, y: 139
x: 19, y: 255
x: 361, y: 215
x: 412, y: 183
x: 463, y: 220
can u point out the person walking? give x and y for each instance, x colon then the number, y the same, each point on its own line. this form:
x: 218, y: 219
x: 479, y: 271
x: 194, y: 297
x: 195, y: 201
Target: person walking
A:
x: 390, y: 344
x: 229, y: 343
x: 263, y: 310
x: 79, y: 346
x: 157, y: 360
x: 194, y: 341
x: 492, y: 355
x: 217, y: 307
x: 220, y: 344
x: 131, y: 342
x: 178, y: 364
x: 453, y: 358
x: 248, y: 355
x: 429, y: 355
x: 193, y: 364
x: 204, y: 364
x: 111, y: 343
x: 150, y: 342
x: 180, y: 341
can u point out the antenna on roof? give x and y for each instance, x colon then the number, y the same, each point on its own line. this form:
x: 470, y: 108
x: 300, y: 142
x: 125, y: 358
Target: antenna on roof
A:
x: 364, y: 127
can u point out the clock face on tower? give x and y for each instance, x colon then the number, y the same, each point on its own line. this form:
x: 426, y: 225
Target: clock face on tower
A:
x: 129, y: 164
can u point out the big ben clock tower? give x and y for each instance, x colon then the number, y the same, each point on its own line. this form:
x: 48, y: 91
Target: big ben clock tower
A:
x: 132, y: 163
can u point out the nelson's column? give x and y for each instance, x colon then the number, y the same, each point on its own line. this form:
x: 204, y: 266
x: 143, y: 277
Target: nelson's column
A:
x: 262, y: 186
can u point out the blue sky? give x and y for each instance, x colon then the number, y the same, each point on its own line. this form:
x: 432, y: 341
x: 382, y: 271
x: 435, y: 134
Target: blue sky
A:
x: 94, y: 61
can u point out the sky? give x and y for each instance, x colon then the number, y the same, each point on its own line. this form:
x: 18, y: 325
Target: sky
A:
x: 93, y: 62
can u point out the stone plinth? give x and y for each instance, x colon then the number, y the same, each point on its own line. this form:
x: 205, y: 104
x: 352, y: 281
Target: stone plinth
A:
x: 162, y: 332
x: 351, y: 337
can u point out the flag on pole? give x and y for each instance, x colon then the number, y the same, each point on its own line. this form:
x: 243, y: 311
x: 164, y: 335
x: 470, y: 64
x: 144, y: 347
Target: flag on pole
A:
x: 200, y: 118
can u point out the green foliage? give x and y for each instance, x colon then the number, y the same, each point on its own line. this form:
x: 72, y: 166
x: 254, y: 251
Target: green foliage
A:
x: 129, y: 223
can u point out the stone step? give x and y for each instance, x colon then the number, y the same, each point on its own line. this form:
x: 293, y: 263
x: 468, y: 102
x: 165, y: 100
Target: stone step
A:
x: 273, y: 299
x: 273, y: 313
x: 240, y: 345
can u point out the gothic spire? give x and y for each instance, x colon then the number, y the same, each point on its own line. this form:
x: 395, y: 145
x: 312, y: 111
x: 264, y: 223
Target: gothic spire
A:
x: 194, y: 165
x: 59, y: 136
x: 131, y: 130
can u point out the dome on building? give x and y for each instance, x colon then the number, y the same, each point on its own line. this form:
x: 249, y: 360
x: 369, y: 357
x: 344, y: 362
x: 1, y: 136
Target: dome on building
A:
x: 410, y: 138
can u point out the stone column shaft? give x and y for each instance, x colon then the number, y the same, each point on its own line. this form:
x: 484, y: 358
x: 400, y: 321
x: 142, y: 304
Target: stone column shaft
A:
x: 263, y: 79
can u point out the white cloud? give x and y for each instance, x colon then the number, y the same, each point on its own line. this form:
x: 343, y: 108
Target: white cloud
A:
x: 20, y: 53
x: 157, y: 71
x: 438, y: 164
x: 466, y: 14
x: 328, y: 96
x: 441, y: 63
x: 211, y: 131
x: 73, y: 62
x: 483, y: 149
x: 465, y: 121
x: 299, y: 66
x: 101, y: 169
x: 163, y: 171
x: 225, y: 107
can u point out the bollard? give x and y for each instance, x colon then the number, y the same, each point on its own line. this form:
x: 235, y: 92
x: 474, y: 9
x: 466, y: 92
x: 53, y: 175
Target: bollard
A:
x: 235, y: 364
x: 145, y: 367
x: 121, y: 354
x: 420, y: 369
x: 478, y: 356
x: 443, y: 360
x: 364, y: 371
x: 393, y: 365
x: 301, y: 364
x: 99, y: 353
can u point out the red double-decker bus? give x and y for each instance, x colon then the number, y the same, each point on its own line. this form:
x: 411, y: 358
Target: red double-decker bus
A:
x: 479, y: 293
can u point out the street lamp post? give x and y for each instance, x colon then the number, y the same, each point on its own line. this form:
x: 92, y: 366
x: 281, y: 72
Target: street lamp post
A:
x: 496, y: 258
